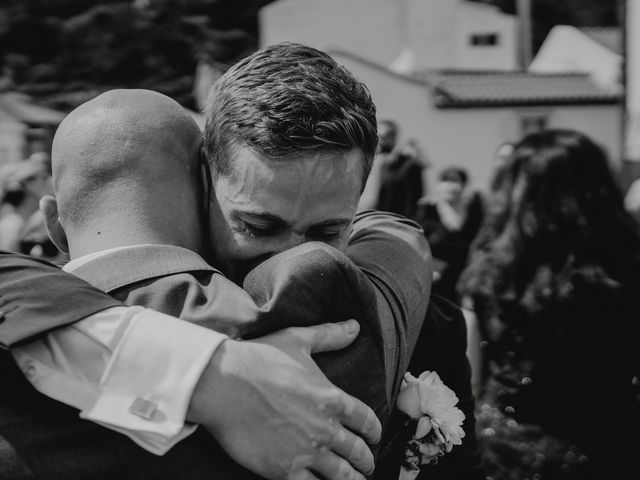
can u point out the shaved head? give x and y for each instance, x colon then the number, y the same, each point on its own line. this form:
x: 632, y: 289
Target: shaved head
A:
x: 127, y: 156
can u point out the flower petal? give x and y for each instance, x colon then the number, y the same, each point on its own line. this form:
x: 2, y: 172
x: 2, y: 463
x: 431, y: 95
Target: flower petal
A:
x: 424, y: 427
x: 409, y: 401
x: 436, y: 429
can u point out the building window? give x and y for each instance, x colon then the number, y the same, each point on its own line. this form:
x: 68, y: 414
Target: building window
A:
x: 533, y: 122
x: 484, y: 39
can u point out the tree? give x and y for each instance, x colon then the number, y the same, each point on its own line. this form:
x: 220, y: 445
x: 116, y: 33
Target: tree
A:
x: 65, y: 51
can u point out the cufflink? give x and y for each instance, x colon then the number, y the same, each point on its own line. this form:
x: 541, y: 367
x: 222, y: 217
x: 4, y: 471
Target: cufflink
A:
x: 143, y: 408
x: 29, y: 370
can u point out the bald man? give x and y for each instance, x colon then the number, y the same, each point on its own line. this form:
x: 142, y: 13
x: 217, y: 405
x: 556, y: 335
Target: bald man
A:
x: 127, y: 172
x: 113, y: 214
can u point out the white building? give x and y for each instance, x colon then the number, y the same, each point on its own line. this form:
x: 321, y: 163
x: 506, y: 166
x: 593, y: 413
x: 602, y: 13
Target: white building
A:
x: 461, y: 117
x: 596, y: 51
x: 447, y: 72
x: 424, y: 33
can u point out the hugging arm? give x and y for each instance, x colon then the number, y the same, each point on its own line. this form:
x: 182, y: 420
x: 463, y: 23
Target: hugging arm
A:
x: 395, y: 258
x: 313, y: 438
x: 27, y: 286
x: 382, y: 280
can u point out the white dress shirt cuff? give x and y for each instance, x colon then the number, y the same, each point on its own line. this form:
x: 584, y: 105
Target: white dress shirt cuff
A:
x: 145, y: 392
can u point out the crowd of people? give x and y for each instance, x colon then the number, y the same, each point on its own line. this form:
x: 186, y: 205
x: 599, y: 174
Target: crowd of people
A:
x: 548, y: 262
x: 22, y: 185
x: 547, y: 259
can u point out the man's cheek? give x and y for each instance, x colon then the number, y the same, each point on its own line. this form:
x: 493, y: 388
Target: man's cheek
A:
x: 249, y: 246
x: 341, y: 242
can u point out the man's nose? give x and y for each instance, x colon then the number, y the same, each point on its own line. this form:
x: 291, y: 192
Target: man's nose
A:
x: 293, y: 240
x: 290, y: 241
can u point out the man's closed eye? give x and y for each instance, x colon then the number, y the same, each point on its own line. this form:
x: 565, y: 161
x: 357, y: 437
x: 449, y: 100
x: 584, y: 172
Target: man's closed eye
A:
x: 323, y: 234
x: 258, y: 230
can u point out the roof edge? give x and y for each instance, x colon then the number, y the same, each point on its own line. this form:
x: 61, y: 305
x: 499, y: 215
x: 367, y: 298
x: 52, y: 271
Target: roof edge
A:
x: 377, y: 66
x: 447, y: 104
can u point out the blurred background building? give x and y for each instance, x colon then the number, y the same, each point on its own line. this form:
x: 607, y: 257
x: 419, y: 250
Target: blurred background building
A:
x: 460, y: 77
x: 25, y: 128
x: 454, y: 73
x: 405, y: 34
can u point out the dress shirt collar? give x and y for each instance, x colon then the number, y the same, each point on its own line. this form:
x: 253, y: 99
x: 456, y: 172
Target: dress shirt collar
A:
x: 76, y: 263
x: 111, y: 269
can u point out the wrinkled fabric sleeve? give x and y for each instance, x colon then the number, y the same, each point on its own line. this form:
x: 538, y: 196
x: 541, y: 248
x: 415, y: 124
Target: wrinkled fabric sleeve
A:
x: 394, y: 254
x: 130, y: 369
x: 27, y: 287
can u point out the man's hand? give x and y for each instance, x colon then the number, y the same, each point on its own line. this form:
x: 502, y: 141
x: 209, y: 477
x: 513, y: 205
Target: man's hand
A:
x: 273, y: 410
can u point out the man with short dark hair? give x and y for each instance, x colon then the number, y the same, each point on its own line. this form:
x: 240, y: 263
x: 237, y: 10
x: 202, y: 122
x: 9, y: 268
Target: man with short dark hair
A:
x: 290, y: 137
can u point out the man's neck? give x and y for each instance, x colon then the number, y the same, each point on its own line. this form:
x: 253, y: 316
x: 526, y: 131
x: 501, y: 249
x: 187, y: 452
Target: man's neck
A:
x: 104, y: 238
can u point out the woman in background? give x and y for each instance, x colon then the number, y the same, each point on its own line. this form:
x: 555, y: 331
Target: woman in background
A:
x: 450, y: 219
x: 554, y: 278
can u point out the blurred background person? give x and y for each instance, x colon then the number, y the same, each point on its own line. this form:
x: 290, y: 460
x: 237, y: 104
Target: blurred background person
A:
x: 554, y: 279
x: 23, y: 184
x: 401, y: 180
x: 387, y: 139
x: 396, y: 180
x: 35, y: 241
x: 500, y: 159
x: 450, y: 219
x: 387, y: 136
x: 632, y: 200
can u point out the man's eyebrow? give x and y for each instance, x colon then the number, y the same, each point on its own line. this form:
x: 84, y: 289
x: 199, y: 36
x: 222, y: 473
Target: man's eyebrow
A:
x: 258, y: 215
x: 333, y: 222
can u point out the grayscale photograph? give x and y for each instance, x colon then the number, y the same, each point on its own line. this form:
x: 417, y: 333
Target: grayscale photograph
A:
x: 320, y: 239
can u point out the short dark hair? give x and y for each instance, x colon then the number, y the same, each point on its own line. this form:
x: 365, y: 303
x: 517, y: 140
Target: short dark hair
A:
x: 288, y: 98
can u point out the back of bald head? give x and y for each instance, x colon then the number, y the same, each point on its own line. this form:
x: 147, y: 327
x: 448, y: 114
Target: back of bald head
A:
x: 123, y: 149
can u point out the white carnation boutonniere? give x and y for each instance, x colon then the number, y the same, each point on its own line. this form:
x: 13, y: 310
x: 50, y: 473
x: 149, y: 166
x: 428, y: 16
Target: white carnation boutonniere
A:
x: 431, y: 406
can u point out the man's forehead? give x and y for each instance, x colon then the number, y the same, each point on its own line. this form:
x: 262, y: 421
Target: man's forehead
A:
x: 311, y: 190
x: 242, y: 156
x: 316, y: 167
x: 331, y: 218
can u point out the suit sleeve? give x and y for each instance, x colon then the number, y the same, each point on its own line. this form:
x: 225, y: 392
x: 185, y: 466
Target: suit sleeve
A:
x: 395, y: 256
x: 314, y: 283
x: 383, y: 281
x: 27, y: 287
x: 108, y: 359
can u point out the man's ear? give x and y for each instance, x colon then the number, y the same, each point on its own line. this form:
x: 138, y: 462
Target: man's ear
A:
x: 49, y: 210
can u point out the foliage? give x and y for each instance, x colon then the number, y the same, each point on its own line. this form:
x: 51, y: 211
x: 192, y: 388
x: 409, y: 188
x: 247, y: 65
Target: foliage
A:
x: 64, y: 51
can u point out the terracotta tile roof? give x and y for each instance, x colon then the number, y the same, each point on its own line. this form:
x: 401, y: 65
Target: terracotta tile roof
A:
x: 462, y: 88
x: 610, y: 37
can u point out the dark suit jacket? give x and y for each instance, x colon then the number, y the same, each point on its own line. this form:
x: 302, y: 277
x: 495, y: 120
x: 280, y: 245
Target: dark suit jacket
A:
x: 441, y: 348
x: 188, y: 293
